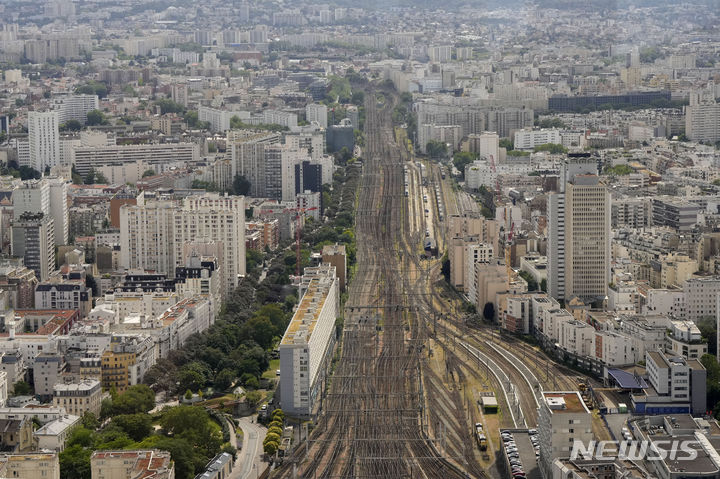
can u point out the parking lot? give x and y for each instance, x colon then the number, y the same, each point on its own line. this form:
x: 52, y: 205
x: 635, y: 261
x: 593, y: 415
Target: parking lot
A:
x: 520, y: 453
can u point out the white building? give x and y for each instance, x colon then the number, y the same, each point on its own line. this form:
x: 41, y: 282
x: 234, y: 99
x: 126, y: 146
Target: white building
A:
x: 53, y: 435
x: 563, y: 418
x: 220, y: 119
x: 701, y: 297
x: 3, y: 388
x: 75, y: 107
x: 475, y: 253
x: 47, y: 196
x: 702, y: 118
x: 154, y: 233
x: 318, y: 113
x: 669, y: 302
x: 44, y: 139
x: 488, y: 145
x: 310, y: 202
x: 306, y: 346
x: 158, y: 156
x: 528, y: 139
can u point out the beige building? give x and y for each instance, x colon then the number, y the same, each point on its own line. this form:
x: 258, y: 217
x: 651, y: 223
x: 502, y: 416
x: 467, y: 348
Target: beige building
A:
x: 78, y: 398
x: 30, y: 466
x: 336, y: 256
x: 587, y: 238
x: 151, y: 464
x: 463, y: 231
x: 563, y: 418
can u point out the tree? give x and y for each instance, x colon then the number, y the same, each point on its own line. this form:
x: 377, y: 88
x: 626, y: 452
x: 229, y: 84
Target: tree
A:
x: 191, y: 118
x: 71, y: 125
x: 89, y: 421
x: 194, y: 425
x: 253, y: 398
x: 149, y: 172
x: 436, y: 149
x: 224, y: 379
x: 506, y: 143
x: 463, y: 158
x: 552, y: 148
x: 278, y: 415
x: 531, y: 282
x: 136, y: 399
x: 106, y: 408
x: 21, y: 388
x: 708, y: 331
x: 543, y: 285
x: 270, y: 448
x: 136, y: 426
x: 166, y: 105
x: 29, y: 173
x: 96, y: 117
x: 489, y: 311
x: 75, y: 463
x: 712, y: 367
x: 241, y: 185
x: 252, y: 383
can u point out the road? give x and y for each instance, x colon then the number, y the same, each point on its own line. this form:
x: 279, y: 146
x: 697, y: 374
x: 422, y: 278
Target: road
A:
x: 249, y: 463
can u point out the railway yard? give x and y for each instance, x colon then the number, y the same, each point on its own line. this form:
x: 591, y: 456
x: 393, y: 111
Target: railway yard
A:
x: 411, y: 373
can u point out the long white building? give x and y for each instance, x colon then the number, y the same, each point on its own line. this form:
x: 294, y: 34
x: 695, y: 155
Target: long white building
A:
x: 156, y: 234
x: 528, y: 139
x: 75, y: 107
x: 86, y: 158
x: 306, y: 346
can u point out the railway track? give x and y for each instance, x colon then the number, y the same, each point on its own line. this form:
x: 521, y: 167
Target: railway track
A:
x: 372, y: 422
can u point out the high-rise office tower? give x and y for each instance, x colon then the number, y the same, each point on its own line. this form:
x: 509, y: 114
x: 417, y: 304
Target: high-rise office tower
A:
x: 44, y: 139
x: 579, y: 232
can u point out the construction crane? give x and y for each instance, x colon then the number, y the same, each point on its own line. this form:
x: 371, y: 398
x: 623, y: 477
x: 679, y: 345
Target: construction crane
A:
x: 497, y: 180
x: 508, y: 244
x: 298, y: 217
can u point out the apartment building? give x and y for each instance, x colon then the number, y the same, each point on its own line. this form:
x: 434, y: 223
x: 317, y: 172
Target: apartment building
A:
x: 30, y: 466
x: 528, y: 139
x: 563, y: 418
x: 157, y: 156
x: 78, y: 398
x: 128, y: 464
x: 44, y: 139
x: 307, y: 344
x: 154, y: 233
x: 33, y: 238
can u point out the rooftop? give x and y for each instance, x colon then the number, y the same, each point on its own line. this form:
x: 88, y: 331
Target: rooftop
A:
x: 58, y: 426
x: 565, y: 402
x: 306, y: 316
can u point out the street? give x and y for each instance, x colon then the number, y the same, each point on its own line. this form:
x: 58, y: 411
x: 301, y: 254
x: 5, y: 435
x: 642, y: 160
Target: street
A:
x: 249, y: 463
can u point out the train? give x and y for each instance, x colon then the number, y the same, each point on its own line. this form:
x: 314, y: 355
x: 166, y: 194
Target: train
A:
x: 431, y: 248
x: 480, y: 436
